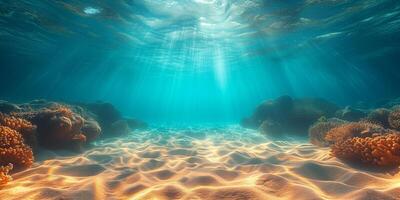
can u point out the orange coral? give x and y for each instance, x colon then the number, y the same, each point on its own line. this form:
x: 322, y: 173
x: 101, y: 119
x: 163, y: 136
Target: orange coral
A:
x: 20, y: 156
x: 9, y: 137
x: 61, y: 110
x: 15, y: 123
x: 4, y: 177
x: 22, y: 126
x: 380, y: 151
x: 13, y: 150
x: 355, y: 129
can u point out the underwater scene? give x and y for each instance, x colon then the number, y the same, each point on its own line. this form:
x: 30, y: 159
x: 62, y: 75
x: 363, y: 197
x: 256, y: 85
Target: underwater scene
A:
x: 199, y: 99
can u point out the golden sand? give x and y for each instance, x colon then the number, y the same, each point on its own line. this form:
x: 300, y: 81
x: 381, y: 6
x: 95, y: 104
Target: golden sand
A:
x: 200, y: 163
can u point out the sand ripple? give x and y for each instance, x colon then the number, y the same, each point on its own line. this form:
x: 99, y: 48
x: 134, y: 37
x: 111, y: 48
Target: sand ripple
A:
x: 198, y: 163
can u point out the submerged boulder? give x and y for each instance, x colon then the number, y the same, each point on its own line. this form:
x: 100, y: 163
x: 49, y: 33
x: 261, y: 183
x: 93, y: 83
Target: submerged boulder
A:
x: 286, y: 115
x: 350, y: 114
x: 110, y: 120
x: 105, y: 113
x: 379, y: 116
x: 7, y: 108
x: 91, y: 129
x: 136, y: 124
x: 119, y: 127
x: 59, y: 128
x: 394, y: 119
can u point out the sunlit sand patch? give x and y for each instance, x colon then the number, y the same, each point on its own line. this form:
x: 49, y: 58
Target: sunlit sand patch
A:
x: 226, y: 163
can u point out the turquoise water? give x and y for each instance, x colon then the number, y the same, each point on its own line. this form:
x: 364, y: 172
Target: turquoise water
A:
x: 198, y: 61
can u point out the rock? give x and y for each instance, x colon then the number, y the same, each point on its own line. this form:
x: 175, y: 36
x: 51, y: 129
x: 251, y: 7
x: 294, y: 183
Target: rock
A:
x: 106, y: 114
x: 271, y: 128
x: 394, y: 119
x: 136, y: 124
x: 379, y: 116
x: 118, y: 128
x: 392, y: 103
x: 7, y: 108
x: 350, y: 114
x: 288, y: 116
x: 91, y: 129
x: 59, y: 128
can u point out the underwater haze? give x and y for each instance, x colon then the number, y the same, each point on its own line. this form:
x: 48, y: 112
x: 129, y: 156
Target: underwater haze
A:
x: 199, y: 99
x: 200, y: 61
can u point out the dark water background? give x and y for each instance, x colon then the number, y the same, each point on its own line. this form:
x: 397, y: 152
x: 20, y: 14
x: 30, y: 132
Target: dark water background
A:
x: 170, y: 61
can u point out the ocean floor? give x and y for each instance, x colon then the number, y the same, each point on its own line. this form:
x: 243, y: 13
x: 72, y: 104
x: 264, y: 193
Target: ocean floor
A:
x: 227, y: 162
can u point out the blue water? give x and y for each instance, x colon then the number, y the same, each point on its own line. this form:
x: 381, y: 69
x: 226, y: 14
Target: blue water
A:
x: 198, y: 61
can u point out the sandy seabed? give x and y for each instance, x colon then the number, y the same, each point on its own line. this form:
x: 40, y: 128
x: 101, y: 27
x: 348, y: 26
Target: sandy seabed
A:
x: 221, y: 163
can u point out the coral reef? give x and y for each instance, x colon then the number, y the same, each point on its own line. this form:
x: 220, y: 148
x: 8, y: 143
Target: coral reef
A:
x: 394, y: 119
x: 4, y: 177
x: 22, y: 126
x: 318, y: 130
x: 379, y: 116
x: 52, y: 125
x: 350, y: 114
x: 288, y: 116
x: 13, y: 150
x: 380, y: 151
x: 354, y: 129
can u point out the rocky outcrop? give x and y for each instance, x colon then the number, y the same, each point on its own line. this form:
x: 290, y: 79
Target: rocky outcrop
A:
x: 286, y: 115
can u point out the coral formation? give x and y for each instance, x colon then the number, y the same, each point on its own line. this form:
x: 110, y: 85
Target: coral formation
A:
x: 394, y: 119
x: 13, y: 150
x: 57, y: 125
x: 354, y: 129
x: 379, y: 116
x: 318, y: 130
x: 4, y: 177
x: 22, y: 126
x: 380, y: 151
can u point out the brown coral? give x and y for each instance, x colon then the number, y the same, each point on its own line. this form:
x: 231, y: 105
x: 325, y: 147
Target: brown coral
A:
x: 318, y: 131
x: 13, y: 150
x: 4, y: 177
x: 394, y: 119
x: 355, y: 129
x: 379, y: 151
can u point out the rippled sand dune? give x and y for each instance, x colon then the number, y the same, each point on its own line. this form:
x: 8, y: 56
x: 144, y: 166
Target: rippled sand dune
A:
x: 200, y: 163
